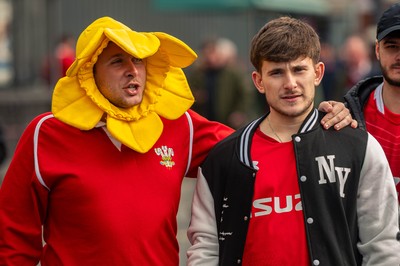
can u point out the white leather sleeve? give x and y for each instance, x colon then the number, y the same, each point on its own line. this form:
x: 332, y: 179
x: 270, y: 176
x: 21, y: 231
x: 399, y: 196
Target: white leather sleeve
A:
x: 377, y: 209
x: 202, y: 232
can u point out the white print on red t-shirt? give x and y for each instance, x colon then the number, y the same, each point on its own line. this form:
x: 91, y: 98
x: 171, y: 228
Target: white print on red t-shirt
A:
x: 166, y: 156
x: 266, y: 206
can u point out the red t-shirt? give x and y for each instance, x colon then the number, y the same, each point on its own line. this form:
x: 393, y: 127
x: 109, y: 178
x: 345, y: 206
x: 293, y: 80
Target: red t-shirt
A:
x: 276, y: 234
x: 385, y: 127
x: 98, y: 205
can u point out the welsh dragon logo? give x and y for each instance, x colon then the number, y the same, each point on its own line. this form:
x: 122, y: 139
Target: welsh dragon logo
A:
x: 166, y: 156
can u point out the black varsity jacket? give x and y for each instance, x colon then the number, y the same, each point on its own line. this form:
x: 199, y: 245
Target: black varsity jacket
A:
x: 336, y: 172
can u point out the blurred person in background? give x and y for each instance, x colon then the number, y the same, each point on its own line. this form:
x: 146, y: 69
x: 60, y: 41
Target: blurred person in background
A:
x: 375, y: 101
x: 3, y: 148
x: 219, y: 85
x: 329, y: 57
x: 99, y: 177
x: 65, y: 53
x: 57, y: 63
x: 354, y: 65
x: 6, y: 56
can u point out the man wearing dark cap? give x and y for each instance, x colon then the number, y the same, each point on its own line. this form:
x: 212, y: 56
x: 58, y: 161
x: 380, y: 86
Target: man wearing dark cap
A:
x: 375, y: 101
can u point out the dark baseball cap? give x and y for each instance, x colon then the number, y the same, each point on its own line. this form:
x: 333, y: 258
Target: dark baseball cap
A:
x: 389, y: 22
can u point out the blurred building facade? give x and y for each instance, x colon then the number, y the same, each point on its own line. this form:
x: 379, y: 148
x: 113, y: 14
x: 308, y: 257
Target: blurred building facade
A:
x: 35, y: 25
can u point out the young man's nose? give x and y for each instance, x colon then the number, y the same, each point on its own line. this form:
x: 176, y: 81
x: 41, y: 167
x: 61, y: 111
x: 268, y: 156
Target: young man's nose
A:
x: 290, y: 81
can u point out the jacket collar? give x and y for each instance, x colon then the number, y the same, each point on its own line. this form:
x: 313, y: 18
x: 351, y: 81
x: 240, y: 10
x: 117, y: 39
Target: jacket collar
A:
x: 247, y: 133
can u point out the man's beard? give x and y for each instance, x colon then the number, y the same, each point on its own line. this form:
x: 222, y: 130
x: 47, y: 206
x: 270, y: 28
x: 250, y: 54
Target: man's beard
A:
x: 309, y: 105
x: 389, y: 80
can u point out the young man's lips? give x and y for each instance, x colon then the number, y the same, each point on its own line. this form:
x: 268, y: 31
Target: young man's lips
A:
x: 290, y: 97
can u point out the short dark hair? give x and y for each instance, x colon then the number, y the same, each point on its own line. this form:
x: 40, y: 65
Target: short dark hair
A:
x: 284, y: 39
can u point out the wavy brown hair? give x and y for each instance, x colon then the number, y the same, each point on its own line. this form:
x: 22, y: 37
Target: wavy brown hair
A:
x: 283, y: 40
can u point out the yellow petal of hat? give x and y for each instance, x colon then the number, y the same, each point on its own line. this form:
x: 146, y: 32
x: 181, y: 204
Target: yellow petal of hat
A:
x: 78, y: 102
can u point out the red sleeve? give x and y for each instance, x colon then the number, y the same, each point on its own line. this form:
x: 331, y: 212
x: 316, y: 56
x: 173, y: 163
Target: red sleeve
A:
x: 23, y: 202
x: 205, y: 135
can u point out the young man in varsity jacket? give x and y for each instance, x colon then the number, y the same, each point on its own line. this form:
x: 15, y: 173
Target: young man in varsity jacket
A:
x: 284, y: 191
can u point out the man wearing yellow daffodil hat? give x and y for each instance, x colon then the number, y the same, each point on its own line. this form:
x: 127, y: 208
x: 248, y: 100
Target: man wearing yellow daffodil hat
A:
x: 102, y: 173
x: 100, y: 176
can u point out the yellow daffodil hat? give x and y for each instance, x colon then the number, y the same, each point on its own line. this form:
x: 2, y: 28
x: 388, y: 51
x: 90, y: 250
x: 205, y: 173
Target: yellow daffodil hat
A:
x: 78, y: 102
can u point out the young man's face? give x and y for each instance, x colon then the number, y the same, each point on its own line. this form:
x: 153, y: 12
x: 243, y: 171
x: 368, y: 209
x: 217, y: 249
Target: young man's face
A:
x: 120, y: 77
x: 289, y: 87
x: 388, y: 53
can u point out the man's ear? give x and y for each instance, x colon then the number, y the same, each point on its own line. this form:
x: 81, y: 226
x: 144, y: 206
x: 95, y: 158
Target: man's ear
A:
x: 319, y: 73
x: 257, y: 80
x: 377, y: 49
